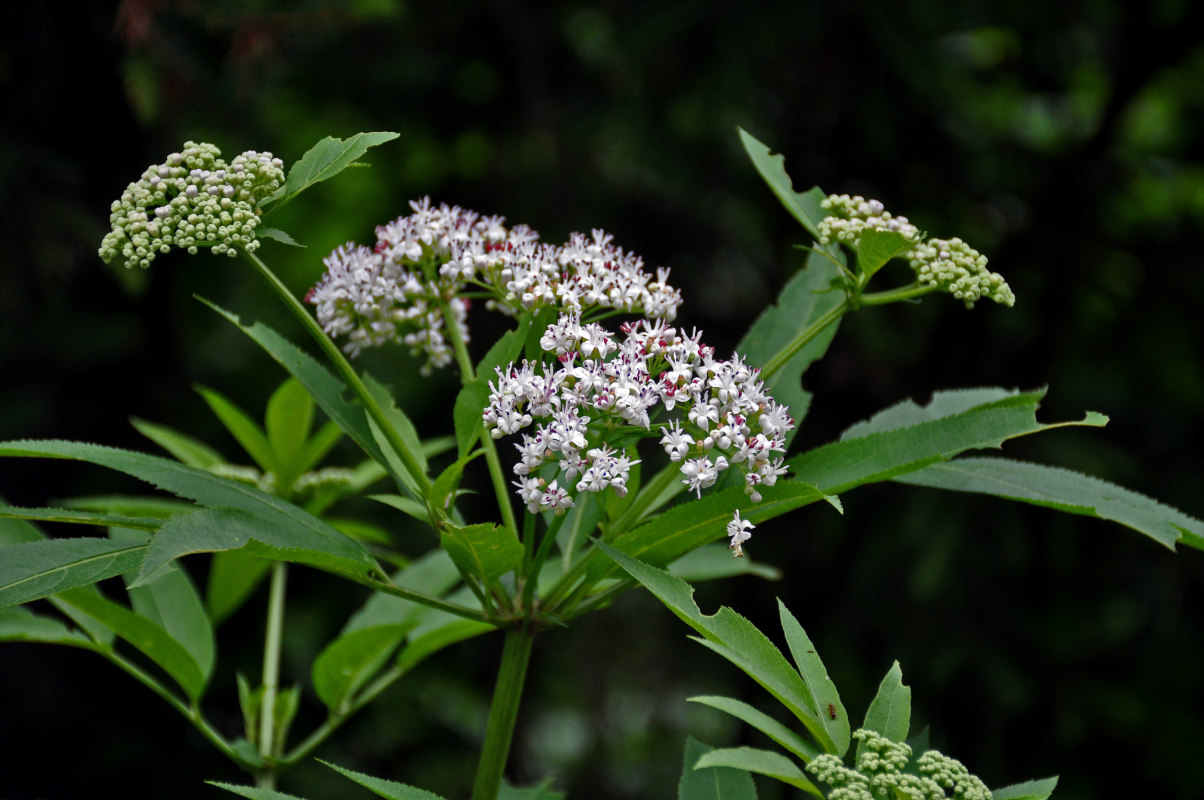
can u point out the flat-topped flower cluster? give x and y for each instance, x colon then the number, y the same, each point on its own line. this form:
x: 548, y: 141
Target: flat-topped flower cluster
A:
x: 584, y: 406
x: 394, y: 291
x: 193, y: 199
x: 883, y: 770
x: 950, y: 265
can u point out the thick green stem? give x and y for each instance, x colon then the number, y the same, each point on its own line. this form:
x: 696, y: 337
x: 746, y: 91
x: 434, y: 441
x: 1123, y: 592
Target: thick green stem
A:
x: 895, y: 295
x: 348, y: 374
x: 503, y: 713
x: 273, y: 641
x: 788, y: 352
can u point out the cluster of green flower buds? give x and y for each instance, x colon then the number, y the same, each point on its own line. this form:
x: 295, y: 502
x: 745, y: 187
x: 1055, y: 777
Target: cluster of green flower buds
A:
x: 882, y: 771
x: 950, y: 265
x: 193, y: 199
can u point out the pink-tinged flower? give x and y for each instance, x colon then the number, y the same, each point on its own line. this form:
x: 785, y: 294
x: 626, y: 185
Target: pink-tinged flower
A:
x: 739, y: 531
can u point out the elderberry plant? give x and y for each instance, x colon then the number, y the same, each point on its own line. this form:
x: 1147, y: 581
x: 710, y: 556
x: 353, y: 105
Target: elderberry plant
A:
x: 637, y: 451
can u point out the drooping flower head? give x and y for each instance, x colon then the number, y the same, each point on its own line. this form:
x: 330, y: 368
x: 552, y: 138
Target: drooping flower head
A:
x: 193, y: 199
x: 394, y: 291
x: 949, y: 265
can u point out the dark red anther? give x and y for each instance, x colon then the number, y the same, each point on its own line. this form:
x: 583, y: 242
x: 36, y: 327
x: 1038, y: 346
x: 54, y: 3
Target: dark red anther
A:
x: 309, y: 296
x: 380, y: 246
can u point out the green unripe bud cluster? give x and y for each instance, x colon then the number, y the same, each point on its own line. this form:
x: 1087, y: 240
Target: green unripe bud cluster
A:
x: 192, y: 200
x: 882, y: 772
x: 950, y: 265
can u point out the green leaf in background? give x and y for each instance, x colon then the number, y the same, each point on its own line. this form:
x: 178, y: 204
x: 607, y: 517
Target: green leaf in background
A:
x: 244, y: 429
x: 803, y: 207
x: 737, y: 640
x: 326, y: 390
x: 433, y: 574
x: 766, y: 724
x: 762, y: 762
x: 253, y: 792
x: 278, y: 235
x: 691, y: 525
x: 485, y: 551
x: 233, y: 576
x: 350, y: 661
x: 80, y: 517
x: 1063, y: 490
x: 323, y: 161
x: 890, y: 711
x: 172, y: 602
x: 542, y: 791
x: 405, y: 430
x: 821, y: 688
x: 505, y: 349
x: 318, y: 446
x: 190, y: 451
x: 287, y: 422
x: 392, y: 790
x: 144, y: 635
x: 213, y: 530
x: 804, y: 300
x: 877, y: 455
x: 877, y: 247
x: 22, y: 625
x: 712, y: 783
x: 1029, y: 790
x: 467, y: 414
x: 36, y: 569
x: 713, y: 561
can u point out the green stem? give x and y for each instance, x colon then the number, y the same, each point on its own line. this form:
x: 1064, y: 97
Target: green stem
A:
x: 426, y: 600
x: 273, y: 641
x: 467, y: 374
x: 895, y: 295
x: 499, y: 731
x: 347, y: 372
x: 788, y: 352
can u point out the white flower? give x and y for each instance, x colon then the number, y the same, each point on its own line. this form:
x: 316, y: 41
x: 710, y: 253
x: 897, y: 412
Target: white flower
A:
x: 739, y: 531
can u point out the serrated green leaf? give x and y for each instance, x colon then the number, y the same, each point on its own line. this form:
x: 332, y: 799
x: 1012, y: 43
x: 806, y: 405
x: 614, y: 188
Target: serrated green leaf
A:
x: 287, y: 421
x: 716, y: 783
x: 19, y: 624
x: 1063, y: 490
x: 736, y: 639
x: 691, y: 525
x: 804, y: 207
x: 766, y: 724
x: 240, y: 425
x: 350, y: 661
x: 254, y: 792
x: 762, y: 762
x: 324, y: 160
x: 392, y: 790
x: 804, y: 300
x: 233, y: 576
x: 278, y: 235
x: 213, y: 530
x: 467, y: 414
x: 1029, y: 790
x: 191, y: 451
x: 145, y: 636
x: 946, y: 403
x: 36, y: 569
x: 890, y: 711
x: 822, y: 690
x: 326, y: 390
x: 713, y: 561
x: 172, y: 602
x: 80, y: 517
x: 876, y: 247
x: 848, y: 463
x: 484, y: 551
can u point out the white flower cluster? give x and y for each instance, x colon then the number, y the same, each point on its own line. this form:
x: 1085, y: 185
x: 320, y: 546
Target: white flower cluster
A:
x: 950, y: 265
x: 192, y: 200
x: 724, y: 417
x: 882, y: 771
x: 390, y: 293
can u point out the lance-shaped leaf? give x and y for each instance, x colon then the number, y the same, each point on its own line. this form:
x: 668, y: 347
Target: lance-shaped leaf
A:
x: 150, y: 639
x: 890, y: 711
x: 391, y: 790
x: 281, y: 529
x: 323, y: 161
x: 33, y: 570
x: 815, y: 675
x: 191, y: 451
x: 254, y: 792
x: 484, y: 551
x: 1064, y: 490
x: 22, y: 625
x: 876, y: 455
x: 712, y: 783
x: 804, y: 301
x: 81, y: 517
x: 326, y: 390
x: 350, y: 661
x: 244, y: 429
x: 688, y: 526
x: 467, y: 414
x: 397, y: 419
x: 804, y: 207
x: 762, y: 762
x: 766, y: 724
x: 739, y: 641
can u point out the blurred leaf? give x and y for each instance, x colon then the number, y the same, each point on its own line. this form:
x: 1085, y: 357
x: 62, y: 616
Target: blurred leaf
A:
x: 433, y: 574
x: 715, y: 783
x: 244, y: 429
x: 172, y: 602
x: 350, y: 661
x: 19, y: 624
x: 1029, y: 790
x: 287, y: 422
x: 762, y: 762
x: 542, y: 791
x: 713, y: 561
x: 190, y: 451
x: 766, y: 724
x: 233, y: 576
x: 1063, y: 490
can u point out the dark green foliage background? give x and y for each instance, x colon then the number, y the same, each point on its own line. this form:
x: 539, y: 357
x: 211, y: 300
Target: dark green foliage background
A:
x: 1063, y: 139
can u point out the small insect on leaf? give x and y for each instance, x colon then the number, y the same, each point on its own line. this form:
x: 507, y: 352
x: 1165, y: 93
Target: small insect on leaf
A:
x: 831, y: 710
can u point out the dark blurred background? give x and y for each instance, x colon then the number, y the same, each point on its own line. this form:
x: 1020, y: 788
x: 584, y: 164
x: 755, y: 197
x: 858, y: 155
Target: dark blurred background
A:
x: 1063, y: 139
